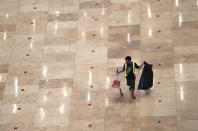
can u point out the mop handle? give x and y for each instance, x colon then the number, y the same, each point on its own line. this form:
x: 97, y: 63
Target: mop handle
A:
x: 117, y: 73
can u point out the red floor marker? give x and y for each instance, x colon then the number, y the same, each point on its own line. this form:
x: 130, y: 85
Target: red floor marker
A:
x: 93, y: 51
x: 159, y: 64
x: 89, y: 104
x: 35, y: 8
x: 96, y: 4
x: 29, y: 38
x: 158, y: 47
x: 27, y: 54
x: 90, y: 125
x: 159, y: 31
x: 160, y: 101
x: 92, y: 67
x: 157, y: 16
x: 25, y: 72
x: 158, y: 0
x: 15, y: 128
x: 158, y: 83
x: 91, y: 86
x: 93, y: 35
x: 22, y: 89
x: 31, y: 23
x: 19, y: 108
x: 158, y: 121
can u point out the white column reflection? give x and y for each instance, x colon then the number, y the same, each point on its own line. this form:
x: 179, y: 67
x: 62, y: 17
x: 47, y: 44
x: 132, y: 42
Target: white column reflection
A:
x: 180, y: 69
x: 182, y: 93
x: 16, y: 86
x: 62, y: 109
x: 88, y: 97
x: 129, y: 37
x: 14, y: 109
x: 180, y: 19
x: 42, y: 113
x: 177, y: 3
x: 150, y: 32
x: 5, y: 35
x: 90, y: 78
x: 149, y: 12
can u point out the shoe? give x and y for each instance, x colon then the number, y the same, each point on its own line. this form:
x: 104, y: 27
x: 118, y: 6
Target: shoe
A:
x: 121, y: 94
x: 133, y: 97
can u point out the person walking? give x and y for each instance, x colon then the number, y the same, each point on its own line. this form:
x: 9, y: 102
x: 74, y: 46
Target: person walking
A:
x: 129, y: 73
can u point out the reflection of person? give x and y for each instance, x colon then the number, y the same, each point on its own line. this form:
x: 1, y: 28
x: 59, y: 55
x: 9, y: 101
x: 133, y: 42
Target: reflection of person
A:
x: 129, y: 72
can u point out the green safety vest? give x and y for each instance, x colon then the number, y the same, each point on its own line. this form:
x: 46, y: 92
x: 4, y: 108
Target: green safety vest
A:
x: 125, y: 67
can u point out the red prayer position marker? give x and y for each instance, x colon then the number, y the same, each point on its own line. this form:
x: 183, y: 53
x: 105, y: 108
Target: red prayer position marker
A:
x: 96, y: 4
x: 160, y: 64
x: 96, y: 19
x: 158, y: 47
x: 158, y: 82
x: 27, y: 54
x: 29, y: 38
x: 159, y: 31
x: 25, y: 72
x: 158, y: 16
x: 158, y: 0
x: 93, y: 51
x: 90, y: 125
x: 92, y: 67
x: 160, y: 101
x: 91, y: 86
x: 89, y: 104
x: 31, y: 23
x: 35, y: 8
x: 19, y: 108
x: 158, y: 121
x: 22, y: 89
x: 93, y: 35
x: 15, y: 128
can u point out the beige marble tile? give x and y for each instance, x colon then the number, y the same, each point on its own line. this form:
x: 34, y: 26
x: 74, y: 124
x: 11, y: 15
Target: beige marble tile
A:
x: 6, y: 38
x: 87, y: 114
x: 33, y: 6
x: 62, y: 17
x: 56, y: 83
x: 95, y: 18
x: 59, y: 53
x: 2, y: 88
x: 184, y: 5
x: 19, y: 99
x: 155, y: 5
x: 54, y: 97
x: 84, y: 98
x: 52, y: 129
x: 16, y: 90
x: 188, y: 114
x: 3, y: 77
x: 18, y: 126
x: 9, y: 7
x: 87, y: 56
x: 184, y: 15
x: 86, y: 4
x: 51, y: 116
x: 185, y: 50
x: 7, y: 27
x: 187, y: 125
x: 16, y: 118
x: 28, y: 42
x: 5, y: 52
x: 83, y: 125
x: 91, y: 43
x: 166, y: 123
x: 54, y: 4
x: 186, y: 86
x: 124, y: 14
x: 31, y: 23
x: 66, y: 31
x: 58, y: 70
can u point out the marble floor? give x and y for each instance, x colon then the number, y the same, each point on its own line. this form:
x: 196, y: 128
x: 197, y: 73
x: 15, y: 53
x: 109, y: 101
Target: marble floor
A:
x: 58, y: 60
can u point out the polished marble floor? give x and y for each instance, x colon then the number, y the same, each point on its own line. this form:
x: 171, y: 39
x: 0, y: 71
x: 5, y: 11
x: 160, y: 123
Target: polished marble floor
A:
x: 58, y: 60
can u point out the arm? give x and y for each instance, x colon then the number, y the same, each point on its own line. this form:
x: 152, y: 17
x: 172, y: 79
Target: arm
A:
x: 120, y: 71
x: 140, y: 67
